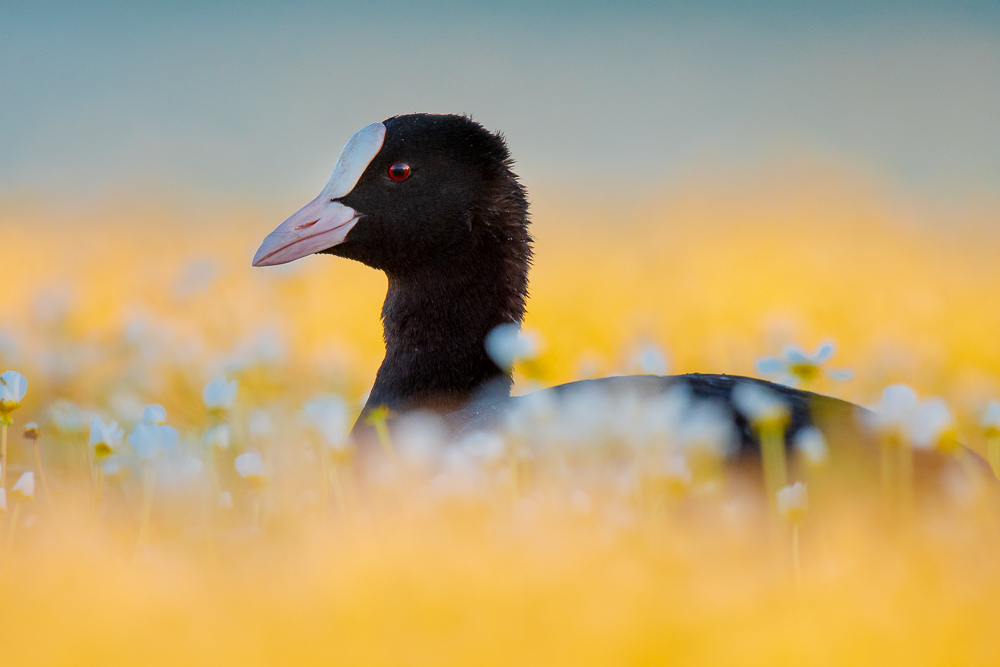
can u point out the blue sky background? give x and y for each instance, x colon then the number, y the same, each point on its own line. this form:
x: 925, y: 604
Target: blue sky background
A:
x: 255, y: 99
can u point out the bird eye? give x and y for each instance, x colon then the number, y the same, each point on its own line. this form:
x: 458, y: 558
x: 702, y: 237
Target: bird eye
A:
x: 399, y: 171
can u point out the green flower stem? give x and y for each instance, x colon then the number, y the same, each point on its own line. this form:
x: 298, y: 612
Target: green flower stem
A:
x: 255, y: 509
x: 379, y: 418
x: 213, y: 473
x: 382, y: 431
x: 515, y: 483
x: 99, y: 494
x: 332, y: 483
x: 772, y: 450
x: 12, y: 526
x: 905, y: 498
x: 338, y: 490
x: 326, y: 479
x: 210, y: 503
x: 796, y: 559
x: 87, y: 469
x: 886, y: 469
x: 41, y: 474
x: 993, y: 453
x: 4, y: 422
x: 897, y: 477
x: 969, y: 466
x: 148, y: 488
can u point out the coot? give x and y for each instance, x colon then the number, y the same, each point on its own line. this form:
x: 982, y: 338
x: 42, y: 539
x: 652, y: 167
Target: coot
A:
x: 433, y: 202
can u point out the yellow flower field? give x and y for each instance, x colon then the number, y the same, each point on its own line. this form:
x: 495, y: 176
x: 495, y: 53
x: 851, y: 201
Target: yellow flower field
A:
x: 111, y: 306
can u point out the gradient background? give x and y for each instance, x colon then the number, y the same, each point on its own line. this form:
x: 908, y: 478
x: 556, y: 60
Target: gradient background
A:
x: 720, y: 178
x: 255, y: 99
x: 716, y: 179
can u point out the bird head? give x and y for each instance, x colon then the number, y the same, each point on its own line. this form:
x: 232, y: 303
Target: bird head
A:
x: 411, y: 190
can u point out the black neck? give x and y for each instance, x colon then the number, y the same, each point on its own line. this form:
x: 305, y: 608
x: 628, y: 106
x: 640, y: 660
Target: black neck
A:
x: 435, y: 322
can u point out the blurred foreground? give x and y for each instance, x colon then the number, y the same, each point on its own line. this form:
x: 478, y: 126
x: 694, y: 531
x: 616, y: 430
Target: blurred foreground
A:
x: 472, y: 555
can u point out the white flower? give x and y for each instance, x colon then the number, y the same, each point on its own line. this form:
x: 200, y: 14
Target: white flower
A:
x: 219, y: 394
x: 258, y: 349
x: 178, y: 469
x: 529, y: 412
x: 154, y: 414
x: 127, y: 407
x: 900, y: 416
x: 31, y: 431
x: 261, y: 425
x: 113, y: 467
x: 217, y: 436
x: 13, y: 386
x: 991, y: 420
x: 677, y: 474
x: 150, y: 439
x: 67, y: 417
x: 226, y: 500
x: 812, y: 445
x: 793, y: 503
x: 660, y: 417
x: 760, y: 405
x: 328, y: 415
x: 484, y: 446
x: 460, y: 478
x: 891, y: 416
x: 3, y: 501
x: 933, y: 426
x: 649, y: 360
x: 707, y: 427
x: 25, y: 487
x: 104, y: 438
x: 250, y: 466
x: 798, y: 367
x: 507, y: 344
x: 420, y: 436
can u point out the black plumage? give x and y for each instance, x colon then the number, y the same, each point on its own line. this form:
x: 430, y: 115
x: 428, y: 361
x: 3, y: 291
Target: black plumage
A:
x: 453, y: 242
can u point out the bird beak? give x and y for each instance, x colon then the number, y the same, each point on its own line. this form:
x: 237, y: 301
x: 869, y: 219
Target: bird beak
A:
x: 324, y: 222
x: 318, y: 225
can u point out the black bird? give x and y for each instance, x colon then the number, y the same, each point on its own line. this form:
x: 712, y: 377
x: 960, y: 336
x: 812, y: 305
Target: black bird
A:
x: 433, y: 202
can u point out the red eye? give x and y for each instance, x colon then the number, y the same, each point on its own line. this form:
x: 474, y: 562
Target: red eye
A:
x: 399, y: 171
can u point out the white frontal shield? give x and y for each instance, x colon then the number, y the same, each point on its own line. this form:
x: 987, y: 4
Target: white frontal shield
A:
x: 323, y: 223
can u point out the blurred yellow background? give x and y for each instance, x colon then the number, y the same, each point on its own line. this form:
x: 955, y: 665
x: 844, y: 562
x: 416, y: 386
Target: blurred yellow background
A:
x: 718, y: 182
x: 718, y: 274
